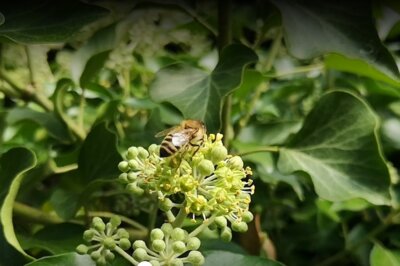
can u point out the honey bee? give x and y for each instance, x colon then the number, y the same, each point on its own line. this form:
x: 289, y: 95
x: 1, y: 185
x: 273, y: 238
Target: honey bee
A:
x: 188, y: 132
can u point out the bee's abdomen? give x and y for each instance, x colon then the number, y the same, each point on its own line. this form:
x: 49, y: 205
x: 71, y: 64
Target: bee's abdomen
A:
x: 167, y: 148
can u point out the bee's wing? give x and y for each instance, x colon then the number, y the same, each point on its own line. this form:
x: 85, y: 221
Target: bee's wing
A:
x: 166, y: 131
x: 179, y: 139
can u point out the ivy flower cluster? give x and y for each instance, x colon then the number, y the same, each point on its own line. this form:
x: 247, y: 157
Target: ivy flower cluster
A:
x: 212, y: 183
x: 169, y: 246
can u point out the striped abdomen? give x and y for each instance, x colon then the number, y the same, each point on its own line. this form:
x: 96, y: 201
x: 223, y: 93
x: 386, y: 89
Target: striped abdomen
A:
x: 172, y: 143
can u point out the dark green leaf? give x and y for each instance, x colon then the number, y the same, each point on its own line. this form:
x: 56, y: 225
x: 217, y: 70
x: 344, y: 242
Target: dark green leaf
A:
x: 225, y: 258
x: 2, y: 19
x: 9, y: 256
x: 13, y: 164
x: 99, y: 157
x: 64, y: 259
x: 64, y: 203
x: 45, y: 21
x: 197, y: 94
x: 338, y: 147
x: 89, y: 59
x: 56, y: 239
x: 49, y: 121
x: 381, y: 256
x: 313, y: 28
x: 218, y: 244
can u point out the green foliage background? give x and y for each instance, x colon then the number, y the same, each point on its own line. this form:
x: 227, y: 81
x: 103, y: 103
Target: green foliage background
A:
x: 308, y: 92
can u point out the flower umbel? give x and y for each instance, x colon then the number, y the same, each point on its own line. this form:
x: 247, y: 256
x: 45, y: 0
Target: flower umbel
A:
x: 211, y: 182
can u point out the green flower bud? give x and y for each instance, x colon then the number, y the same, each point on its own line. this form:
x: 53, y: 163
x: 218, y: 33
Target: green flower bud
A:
x: 240, y: 227
x: 154, y: 149
x: 247, y: 217
x: 140, y: 254
x: 205, y: 167
x: 124, y: 243
x: 123, y: 166
x: 165, y: 204
x: 187, y: 183
x: 139, y: 244
x: 176, y: 262
x: 153, y: 263
x: 218, y: 153
x: 98, y: 224
x: 133, y: 164
x: 122, y: 233
x: 101, y: 261
x: 132, y: 153
x: 95, y: 255
x: 109, y: 243
x: 235, y: 163
x: 178, y: 234
x: 226, y: 234
x: 132, y: 187
x: 195, y: 257
x: 156, y: 234
x: 131, y: 176
x: 143, y: 153
x: 158, y: 245
x: 221, y: 221
x: 167, y: 229
x: 193, y: 243
x: 82, y: 249
x: 89, y: 234
x: 179, y: 247
x: 109, y: 256
x: 123, y: 177
x: 115, y: 221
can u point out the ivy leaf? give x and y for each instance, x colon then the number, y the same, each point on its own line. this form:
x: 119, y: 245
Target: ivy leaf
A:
x: 225, y: 258
x: 90, y: 58
x: 313, y: 28
x: 99, y: 158
x: 55, y: 238
x: 338, y: 147
x: 49, y: 121
x: 381, y: 256
x: 13, y: 164
x: 200, y: 95
x: 46, y: 21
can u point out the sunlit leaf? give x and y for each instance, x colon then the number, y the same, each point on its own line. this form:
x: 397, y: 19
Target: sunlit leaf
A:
x: 338, y: 147
x: 200, y: 95
x: 13, y: 164
x: 381, y: 256
x: 44, y: 21
x: 225, y: 258
x: 313, y: 28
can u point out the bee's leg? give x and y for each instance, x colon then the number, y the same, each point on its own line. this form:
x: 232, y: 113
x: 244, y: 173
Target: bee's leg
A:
x: 197, y: 146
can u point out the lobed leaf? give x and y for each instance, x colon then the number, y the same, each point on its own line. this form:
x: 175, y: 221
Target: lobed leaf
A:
x: 200, y: 95
x: 313, y: 28
x: 338, y: 147
x: 381, y: 256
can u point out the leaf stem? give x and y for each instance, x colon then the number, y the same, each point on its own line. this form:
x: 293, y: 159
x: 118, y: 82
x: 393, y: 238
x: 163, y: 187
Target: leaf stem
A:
x: 180, y: 217
x: 126, y: 256
x: 264, y: 86
x: 201, y: 227
x: 298, y: 70
x: 263, y: 149
x: 224, y: 39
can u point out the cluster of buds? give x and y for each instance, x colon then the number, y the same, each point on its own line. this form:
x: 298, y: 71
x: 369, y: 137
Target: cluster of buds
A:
x: 104, y: 240
x: 212, y: 182
x: 169, y: 246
